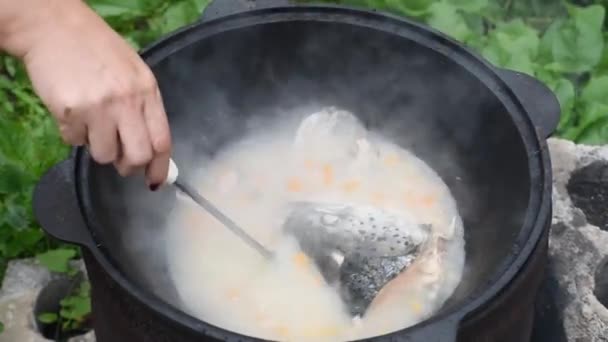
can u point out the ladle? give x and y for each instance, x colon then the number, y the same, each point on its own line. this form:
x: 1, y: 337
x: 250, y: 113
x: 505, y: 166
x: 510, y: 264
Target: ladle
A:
x: 190, y: 191
x: 359, y: 247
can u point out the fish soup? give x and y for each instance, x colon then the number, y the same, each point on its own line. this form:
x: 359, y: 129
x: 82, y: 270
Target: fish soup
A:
x: 327, y: 158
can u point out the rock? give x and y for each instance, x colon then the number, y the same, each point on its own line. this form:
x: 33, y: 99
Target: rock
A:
x: 23, y: 281
x: 588, y: 189
x: 89, y: 337
x: 578, y: 248
x: 22, y: 276
x: 16, y: 314
x: 27, y: 274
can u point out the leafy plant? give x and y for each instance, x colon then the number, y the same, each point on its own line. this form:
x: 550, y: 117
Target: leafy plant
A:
x: 74, y: 312
x: 561, y: 43
x: 75, y: 308
x: 142, y: 21
x: 30, y: 144
x: 58, y: 260
x: 29, y: 140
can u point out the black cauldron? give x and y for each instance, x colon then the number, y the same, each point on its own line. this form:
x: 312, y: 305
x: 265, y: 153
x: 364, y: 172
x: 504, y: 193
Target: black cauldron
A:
x: 483, y: 129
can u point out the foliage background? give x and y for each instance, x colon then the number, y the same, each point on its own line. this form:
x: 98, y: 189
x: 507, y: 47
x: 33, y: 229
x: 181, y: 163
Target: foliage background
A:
x: 563, y: 43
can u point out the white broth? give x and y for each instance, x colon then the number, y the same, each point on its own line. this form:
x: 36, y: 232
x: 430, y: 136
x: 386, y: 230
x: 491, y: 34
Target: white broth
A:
x: 224, y: 282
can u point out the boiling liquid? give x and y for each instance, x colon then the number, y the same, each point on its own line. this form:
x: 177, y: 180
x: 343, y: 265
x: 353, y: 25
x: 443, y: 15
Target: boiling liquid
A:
x: 224, y: 282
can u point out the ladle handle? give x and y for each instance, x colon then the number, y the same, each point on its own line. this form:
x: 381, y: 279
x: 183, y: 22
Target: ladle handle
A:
x: 172, y: 179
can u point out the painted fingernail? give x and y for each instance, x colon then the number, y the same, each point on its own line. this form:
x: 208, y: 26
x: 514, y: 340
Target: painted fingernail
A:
x: 154, y: 187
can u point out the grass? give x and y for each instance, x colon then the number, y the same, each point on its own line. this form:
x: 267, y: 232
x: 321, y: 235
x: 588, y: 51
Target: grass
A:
x: 562, y: 43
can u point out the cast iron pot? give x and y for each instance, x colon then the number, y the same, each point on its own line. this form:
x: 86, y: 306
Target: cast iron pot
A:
x: 481, y: 128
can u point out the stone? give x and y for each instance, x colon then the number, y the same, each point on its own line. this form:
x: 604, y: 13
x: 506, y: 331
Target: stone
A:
x: 27, y: 274
x: 16, y: 315
x: 23, y: 281
x: 88, y: 337
x: 588, y: 189
x: 22, y: 276
x: 578, y: 249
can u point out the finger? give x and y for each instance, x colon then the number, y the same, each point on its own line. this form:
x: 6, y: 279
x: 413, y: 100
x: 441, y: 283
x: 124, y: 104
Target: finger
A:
x: 160, y: 136
x: 102, y: 139
x: 119, y: 156
x: 74, y: 134
x: 135, y: 145
x: 72, y: 128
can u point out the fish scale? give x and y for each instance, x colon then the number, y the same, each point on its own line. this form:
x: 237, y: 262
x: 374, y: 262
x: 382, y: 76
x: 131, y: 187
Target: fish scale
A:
x: 361, y: 279
x: 360, y: 248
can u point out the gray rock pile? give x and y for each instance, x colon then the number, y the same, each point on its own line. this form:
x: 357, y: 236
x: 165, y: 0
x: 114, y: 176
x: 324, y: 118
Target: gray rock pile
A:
x: 577, y: 281
x: 21, y: 286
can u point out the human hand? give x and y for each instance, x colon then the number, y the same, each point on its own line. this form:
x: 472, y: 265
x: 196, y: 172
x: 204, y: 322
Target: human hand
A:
x: 98, y: 89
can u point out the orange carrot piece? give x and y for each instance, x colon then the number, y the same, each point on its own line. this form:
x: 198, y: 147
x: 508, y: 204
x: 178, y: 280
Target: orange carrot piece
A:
x: 391, y: 160
x: 428, y: 201
x: 300, y: 259
x: 378, y: 198
x: 294, y: 185
x: 281, y: 330
x: 233, y: 294
x: 309, y: 164
x: 351, y: 186
x: 328, y: 174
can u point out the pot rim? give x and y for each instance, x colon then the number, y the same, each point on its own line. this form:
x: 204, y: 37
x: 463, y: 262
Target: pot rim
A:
x: 539, y: 202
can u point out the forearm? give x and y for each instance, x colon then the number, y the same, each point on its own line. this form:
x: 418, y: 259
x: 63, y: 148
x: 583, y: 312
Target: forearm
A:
x: 23, y: 22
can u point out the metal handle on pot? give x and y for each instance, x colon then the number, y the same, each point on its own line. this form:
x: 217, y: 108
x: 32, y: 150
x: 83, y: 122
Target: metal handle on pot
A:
x: 545, y: 110
x: 56, y: 206
x: 221, y: 8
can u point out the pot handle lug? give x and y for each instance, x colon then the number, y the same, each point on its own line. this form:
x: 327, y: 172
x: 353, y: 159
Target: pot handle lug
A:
x: 544, y: 107
x: 441, y: 331
x: 56, y: 206
x: 222, y: 8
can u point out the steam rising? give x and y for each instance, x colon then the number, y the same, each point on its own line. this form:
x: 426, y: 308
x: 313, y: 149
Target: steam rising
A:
x: 267, y: 78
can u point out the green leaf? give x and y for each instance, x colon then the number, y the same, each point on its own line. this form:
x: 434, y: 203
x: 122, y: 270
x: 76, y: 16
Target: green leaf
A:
x: 564, y: 90
x: 596, y: 90
x: 85, y: 289
x: 15, y: 243
x: 179, y: 14
x: 514, y: 46
x: 57, y: 260
x: 577, y: 44
x: 413, y: 8
x: 446, y: 18
x: 28, y: 238
x: 471, y: 6
x: 75, y: 307
x: 593, y: 129
x: 548, y: 40
x: 112, y: 8
x: 48, y: 317
x: 1, y: 327
x: 12, y: 179
x: 602, y: 67
x: 200, y: 5
x: 10, y: 65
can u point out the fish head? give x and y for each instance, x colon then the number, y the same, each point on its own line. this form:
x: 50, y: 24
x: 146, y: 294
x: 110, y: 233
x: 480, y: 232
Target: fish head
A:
x: 357, y: 247
x: 354, y: 229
